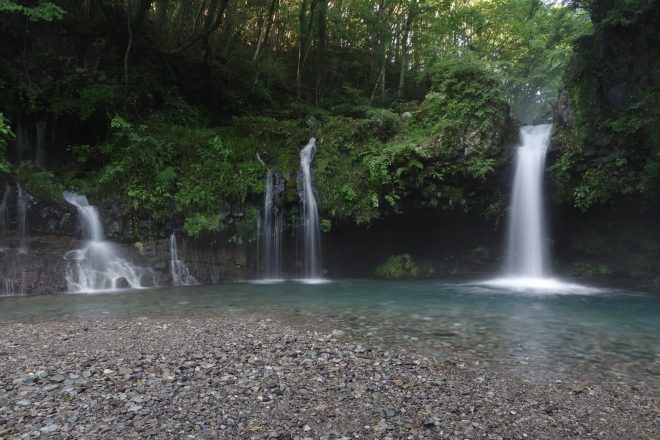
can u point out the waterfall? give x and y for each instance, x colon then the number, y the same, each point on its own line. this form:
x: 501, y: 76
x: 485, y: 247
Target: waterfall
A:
x: 527, y: 267
x: 527, y: 254
x: 22, y: 201
x: 4, y: 207
x: 11, y: 287
x: 311, y: 234
x: 179, y: 271
x: 96, y: 266
x: 269, y: 226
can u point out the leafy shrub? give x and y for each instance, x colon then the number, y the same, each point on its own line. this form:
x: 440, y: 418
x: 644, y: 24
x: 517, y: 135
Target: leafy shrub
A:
x: 398, y: 266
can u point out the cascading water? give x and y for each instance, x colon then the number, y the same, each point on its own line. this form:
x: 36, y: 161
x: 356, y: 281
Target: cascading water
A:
x: 527, y: 254
x: 526, y: 259
x: 179, y: 271
x: 311, y: 234
x: 22, y: 201
x: 96, y: 266
x: 269, y: 228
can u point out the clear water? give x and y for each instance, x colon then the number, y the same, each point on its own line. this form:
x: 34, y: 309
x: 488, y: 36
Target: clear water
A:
x: 605, y: 336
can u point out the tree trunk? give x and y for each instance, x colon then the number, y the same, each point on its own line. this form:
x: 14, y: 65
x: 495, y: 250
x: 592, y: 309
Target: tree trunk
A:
x: 128, y: 45
x: 404, y: 48
x: 265, y: 29
x: 320, y: 53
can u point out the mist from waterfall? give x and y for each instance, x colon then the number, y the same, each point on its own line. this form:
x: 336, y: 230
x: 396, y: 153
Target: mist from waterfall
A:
x: 96, y: 266
x: 310, y: 218
x: 178, y: 270
x: 269, y: 229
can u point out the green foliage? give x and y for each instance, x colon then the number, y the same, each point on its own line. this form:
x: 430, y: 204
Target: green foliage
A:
x: 194, y: 115
x: 397, y: 267
x: 39, y: 182
x: 383, y: 162
x: 43, y: 11
x: 325, y: 225
x: 5, y: 135
x: 588, y: 270
x: 207, y: 175
x: 609, y: 151
x: 76, y: 95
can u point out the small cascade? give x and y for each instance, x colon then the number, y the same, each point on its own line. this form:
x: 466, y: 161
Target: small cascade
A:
x: 22, y: 202
x: 269, y: 226
x: 96, y: 266
x: 179, y: 271
x: 4, y: 208
x: 311, y: 232
x: 10, y: 286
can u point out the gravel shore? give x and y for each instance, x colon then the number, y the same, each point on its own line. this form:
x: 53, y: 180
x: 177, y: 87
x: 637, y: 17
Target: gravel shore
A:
x: 240, y: 377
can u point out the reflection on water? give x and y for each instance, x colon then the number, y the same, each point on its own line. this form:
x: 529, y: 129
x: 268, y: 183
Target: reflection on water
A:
x: 605, y: 336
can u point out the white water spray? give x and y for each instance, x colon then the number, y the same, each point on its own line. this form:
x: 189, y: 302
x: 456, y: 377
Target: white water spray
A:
x: 527, y: 265
x: 96, y: 266
x: 269, y: 226
x: 179, y: 271
x: 527, y: 253
x: 312, y: 243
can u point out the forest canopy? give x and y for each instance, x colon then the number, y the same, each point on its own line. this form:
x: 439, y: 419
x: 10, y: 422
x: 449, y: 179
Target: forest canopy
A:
x: 173, y: 100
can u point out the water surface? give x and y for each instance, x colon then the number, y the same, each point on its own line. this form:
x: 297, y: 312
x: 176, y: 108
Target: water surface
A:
x: 604, y: 336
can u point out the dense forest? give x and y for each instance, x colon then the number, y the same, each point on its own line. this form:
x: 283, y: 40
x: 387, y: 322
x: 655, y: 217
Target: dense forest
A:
x: 171, y: 112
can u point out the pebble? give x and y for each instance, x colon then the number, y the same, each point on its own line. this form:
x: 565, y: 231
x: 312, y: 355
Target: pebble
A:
x: 240, y: 377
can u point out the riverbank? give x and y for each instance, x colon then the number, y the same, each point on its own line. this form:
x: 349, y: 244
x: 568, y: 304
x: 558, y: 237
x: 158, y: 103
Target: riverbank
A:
x: 235, y: 377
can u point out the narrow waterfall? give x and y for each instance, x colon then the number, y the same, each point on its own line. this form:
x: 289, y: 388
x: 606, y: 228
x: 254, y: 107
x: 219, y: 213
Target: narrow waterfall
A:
x: 96, y: 266
x: 527, y: 253
x: 311, y: 233
x: 179, y: 271
x: 4, y: 207
x: 269, y: 226
x: 22, y: 201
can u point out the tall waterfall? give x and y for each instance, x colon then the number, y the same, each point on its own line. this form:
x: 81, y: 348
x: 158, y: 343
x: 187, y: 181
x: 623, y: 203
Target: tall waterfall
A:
x: 179, y: 271
x: 22, y: 201
x: 96, y: 266
x: 269, y: 228
x: 527, y: 267
x: 527, y: 253
x: 311, y: 234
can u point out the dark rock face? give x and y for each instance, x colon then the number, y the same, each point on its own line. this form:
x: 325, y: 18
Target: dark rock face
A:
x: 53, y: 231
x: 605, y: 147
x: 40, y: 270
